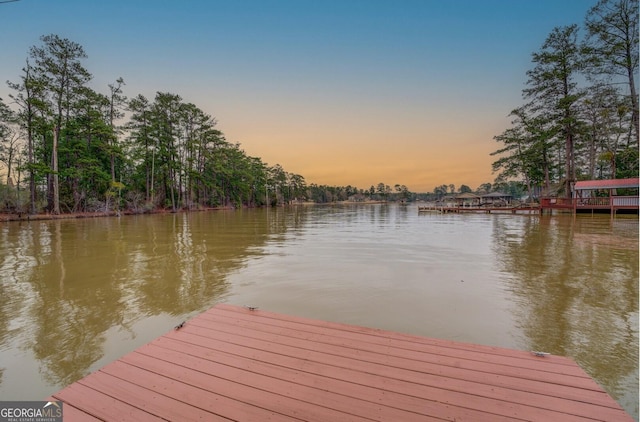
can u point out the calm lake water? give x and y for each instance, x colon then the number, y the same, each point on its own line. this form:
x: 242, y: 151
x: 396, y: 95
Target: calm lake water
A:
x: 78, y: 294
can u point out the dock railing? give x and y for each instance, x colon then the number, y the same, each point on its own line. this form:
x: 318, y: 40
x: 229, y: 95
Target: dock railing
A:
x: 590, y: 203
x: 625, y: 201
x: 557, y: 202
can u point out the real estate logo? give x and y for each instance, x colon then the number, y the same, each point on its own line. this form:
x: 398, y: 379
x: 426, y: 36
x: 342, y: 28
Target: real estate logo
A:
x: 30, y: 411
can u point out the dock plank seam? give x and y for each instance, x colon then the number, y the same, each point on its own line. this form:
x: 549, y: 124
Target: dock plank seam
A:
x: 239, y: 375
x: 233, y: 363
x: 479, y: 356
x: 297, y: 370
x: 595, y: 389
x: 383, y: 334
x: 368, y: 356
x: 468, y: 395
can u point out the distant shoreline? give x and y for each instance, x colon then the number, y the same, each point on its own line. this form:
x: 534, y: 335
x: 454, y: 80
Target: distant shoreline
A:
x: 66, y: 216
x: 16, y: 217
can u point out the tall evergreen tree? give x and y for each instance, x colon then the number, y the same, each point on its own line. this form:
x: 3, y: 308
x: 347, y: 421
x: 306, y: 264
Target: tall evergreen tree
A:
x: 117, y: 102
x: 164, y: 132
x: 606, y: 123
x: 8, y: 138
x: 59, y: 69
x: 612, y: 49
x: 552, y: 90
x: 85, y: 156
x: 28, y: 98
x: 526, y: 151
x: 141, y: 147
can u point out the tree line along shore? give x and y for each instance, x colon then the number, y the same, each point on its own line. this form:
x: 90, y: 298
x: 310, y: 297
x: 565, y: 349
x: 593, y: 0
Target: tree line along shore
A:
x: 66, y: 148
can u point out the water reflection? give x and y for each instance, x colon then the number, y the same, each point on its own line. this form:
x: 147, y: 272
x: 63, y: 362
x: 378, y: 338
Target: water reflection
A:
x: 576, y: 286
x: 66, y: 284
x: 77, y: 294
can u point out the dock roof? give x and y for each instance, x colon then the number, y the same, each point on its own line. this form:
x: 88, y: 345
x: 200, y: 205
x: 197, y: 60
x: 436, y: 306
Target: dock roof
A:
x: 607, y: 184
x: 496, y: 195
x: 467, y: 195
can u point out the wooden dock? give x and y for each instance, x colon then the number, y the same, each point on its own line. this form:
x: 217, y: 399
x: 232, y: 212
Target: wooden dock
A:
x: 480, y: 210
x: 232, y: 363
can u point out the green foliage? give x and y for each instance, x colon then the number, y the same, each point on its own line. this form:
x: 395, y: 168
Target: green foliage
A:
x: 513, y: 188
x: 170, y: 153
x: 611, y: 49
x: 581, y: 115
x: 465, y: 189
x: 627, y: 163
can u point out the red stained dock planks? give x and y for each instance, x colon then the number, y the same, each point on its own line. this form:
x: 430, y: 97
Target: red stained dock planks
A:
x: 232, y: 363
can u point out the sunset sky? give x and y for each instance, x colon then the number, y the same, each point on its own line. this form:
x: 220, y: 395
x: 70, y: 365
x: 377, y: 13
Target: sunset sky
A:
x: 339, y: 91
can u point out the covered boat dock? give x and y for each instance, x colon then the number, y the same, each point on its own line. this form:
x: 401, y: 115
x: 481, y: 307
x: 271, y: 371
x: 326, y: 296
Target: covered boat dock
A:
x: 598, y: 196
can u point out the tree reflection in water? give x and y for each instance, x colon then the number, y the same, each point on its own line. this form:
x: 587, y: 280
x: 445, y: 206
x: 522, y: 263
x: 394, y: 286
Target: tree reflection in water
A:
x: 575, y: 281
x: 77, y: 294
x: 67, y: 283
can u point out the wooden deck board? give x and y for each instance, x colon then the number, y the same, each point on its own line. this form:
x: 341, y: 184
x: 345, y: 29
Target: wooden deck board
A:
x: 429, y: 397
x: 207, y: 374
x: 231, y: 363
x: 369, y: 387
x: 442, y: 386
x: 403, y: 349
x: 384, y: 337
x: 388, y: 390
x: 146, y: 399
x: 199, y: 390
x: 72, y: 414
x: 588, y: 389
x: 99, y: 405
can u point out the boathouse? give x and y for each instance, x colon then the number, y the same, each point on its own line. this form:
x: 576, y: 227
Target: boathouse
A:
x: 467, y: 199
x: 609, y: 195
x: 606, y: 194
x: 496, y: 199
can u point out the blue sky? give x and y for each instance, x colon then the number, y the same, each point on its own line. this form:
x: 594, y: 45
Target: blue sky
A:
x: 342, y: 92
